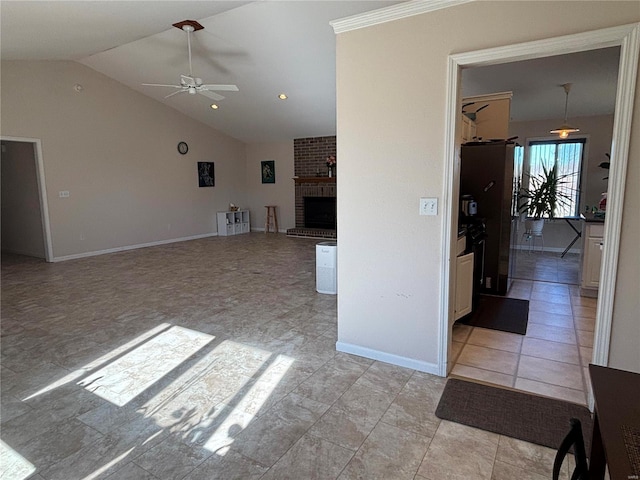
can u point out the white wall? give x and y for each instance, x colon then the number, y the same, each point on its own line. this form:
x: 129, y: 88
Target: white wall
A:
x: 114, y: 150
x: 391, y: 150
x: 22, y: 230
x: 281, y: 193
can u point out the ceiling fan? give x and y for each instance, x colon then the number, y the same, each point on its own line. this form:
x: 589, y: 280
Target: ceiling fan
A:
x: 188, y: 83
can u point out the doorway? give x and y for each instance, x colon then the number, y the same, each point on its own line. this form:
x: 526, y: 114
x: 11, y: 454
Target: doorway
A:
x: 623, y: 36
x: 25, y: 213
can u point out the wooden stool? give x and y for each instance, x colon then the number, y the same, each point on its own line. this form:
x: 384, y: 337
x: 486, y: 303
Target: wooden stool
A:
x: 271, y: 217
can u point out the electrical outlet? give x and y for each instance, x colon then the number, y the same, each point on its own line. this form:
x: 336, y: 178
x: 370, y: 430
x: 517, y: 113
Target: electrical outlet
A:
x: 428, y: 206
x: 64, y: 194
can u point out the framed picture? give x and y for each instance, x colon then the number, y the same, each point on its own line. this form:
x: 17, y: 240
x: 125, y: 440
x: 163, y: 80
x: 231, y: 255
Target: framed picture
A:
x: 206, y: 174
x: 268, y: 168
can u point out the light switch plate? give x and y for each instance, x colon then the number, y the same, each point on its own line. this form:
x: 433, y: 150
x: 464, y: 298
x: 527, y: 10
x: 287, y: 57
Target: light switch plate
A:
x: 428, y: 206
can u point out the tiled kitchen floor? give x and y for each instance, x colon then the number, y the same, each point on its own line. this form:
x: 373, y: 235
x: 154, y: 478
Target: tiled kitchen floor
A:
x: 547, y: 266
x: 552, y: 358
x: 215, y: 359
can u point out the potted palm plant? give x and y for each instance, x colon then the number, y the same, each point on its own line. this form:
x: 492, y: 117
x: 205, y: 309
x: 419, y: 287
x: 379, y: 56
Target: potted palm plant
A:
x: 541, y: 199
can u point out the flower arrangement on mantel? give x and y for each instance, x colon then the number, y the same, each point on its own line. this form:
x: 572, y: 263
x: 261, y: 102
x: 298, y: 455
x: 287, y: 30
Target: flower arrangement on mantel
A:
x: 331, y: 163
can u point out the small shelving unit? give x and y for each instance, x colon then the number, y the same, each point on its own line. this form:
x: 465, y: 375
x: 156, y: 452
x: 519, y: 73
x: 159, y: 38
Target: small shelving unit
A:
x: 233, y: 223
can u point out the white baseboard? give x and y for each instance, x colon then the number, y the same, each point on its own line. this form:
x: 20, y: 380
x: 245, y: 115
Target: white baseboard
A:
x: 262, y: 229
x: 546, y: 249
x: 131, y: 247
x: 387, y: 357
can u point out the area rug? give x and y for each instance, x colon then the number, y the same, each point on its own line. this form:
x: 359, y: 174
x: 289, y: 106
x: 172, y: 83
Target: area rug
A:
x: 499, y: 313
x: 529, y: 417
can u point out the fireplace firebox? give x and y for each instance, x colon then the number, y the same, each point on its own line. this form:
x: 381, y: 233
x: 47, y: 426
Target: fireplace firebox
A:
x: 320, y: 212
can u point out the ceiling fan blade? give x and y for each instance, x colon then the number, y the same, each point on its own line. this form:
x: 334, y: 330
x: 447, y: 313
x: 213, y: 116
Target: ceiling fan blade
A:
x: 226, y: 88
x: 175, y: 93
x: 161, y: 85
x: 211, y: 95
x: 187, y: 80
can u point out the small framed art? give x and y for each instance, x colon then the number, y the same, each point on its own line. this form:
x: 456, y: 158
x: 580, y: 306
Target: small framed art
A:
x: 268, y: 169
x: 206, y: 174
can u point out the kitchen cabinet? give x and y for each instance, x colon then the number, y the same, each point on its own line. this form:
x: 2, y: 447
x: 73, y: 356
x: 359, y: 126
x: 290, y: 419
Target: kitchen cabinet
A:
x: 593, y: 239
x: 493, y: 120
x: 464, y: 285
x: 464, y: 281
x: 233, y: 223
x: 468, y: 129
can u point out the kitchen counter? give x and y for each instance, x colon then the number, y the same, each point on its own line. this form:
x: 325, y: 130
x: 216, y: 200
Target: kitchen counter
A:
x: 597, y: 217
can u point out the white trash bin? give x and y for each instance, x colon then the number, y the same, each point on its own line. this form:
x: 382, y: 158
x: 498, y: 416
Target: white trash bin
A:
x: 326, y: 268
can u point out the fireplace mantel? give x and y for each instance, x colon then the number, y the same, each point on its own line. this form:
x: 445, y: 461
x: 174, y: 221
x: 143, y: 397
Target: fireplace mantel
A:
x: 314, y: 179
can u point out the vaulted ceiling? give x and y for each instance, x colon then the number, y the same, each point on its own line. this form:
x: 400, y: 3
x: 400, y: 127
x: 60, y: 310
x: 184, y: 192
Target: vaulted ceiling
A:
x: 266, y: 48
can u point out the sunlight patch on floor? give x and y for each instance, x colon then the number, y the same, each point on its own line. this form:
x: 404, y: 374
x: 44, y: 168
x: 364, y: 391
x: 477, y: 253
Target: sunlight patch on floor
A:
x: 107, y: 466
x: 14, y: 466
x: 100, y: 361
x: 134, y: 372
x: 240, y: 417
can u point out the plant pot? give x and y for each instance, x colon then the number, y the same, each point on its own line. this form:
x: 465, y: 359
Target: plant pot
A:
x: 534, y: 225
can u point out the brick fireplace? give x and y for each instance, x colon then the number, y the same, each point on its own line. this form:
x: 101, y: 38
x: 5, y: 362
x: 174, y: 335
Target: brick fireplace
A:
x: 313, y: 184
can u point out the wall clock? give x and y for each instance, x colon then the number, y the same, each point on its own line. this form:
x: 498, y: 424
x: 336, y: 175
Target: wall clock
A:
x: 183, y: 148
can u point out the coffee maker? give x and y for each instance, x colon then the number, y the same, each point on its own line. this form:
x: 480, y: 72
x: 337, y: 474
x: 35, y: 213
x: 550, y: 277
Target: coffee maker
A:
x: 468, y: 206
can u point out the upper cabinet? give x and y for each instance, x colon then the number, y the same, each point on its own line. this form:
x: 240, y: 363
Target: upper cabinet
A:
x: 488, y: 115
x: 468, y: 129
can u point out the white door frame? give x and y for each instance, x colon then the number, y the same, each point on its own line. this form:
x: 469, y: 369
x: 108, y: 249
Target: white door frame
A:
x: 628, y: 38
x: 42, y: 188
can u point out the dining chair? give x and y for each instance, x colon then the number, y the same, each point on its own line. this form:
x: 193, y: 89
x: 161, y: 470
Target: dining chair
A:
x: 573, y: 439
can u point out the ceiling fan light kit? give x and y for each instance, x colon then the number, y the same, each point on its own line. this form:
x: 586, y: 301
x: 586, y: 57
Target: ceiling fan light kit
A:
x: 188, y: 83
x: 565, y: 129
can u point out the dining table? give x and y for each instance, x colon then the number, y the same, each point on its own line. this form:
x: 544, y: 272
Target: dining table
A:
x: 615, y: 442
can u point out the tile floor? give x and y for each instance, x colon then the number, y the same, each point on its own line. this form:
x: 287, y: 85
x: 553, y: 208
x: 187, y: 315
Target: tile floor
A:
x: 215, y: 359
x: 552, y: 358
x: 547, y: 266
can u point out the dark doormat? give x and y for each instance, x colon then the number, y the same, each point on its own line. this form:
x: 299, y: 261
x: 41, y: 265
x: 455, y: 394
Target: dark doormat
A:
x: 529, y: 417
x: 499, y: 313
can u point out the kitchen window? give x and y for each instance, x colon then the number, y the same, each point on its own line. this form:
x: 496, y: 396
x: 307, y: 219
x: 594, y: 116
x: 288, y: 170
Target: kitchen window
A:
x: 567, y: 156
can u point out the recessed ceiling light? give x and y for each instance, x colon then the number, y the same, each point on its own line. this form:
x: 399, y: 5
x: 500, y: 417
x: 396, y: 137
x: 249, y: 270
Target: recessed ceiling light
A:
x: 214, y: 106
x: 282, y: 96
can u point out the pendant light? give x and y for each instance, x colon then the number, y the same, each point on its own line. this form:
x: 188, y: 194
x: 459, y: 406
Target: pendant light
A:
x: 565, y: 129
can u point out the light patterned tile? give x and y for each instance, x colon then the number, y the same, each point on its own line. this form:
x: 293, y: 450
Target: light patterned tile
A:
x: 550, y: 371
x: 585, y: 338
x: 544, y: 318
x: 553, y: 391
x: 483, y: 375
x: 385, y: 377
x: 489, y: 359
x: 454, y: 352
x: 388, y: 452
x: 584, y: 323
x: 459, y: 452
x: 551, y: 297
x: 562, y: 352
x: 584, y: 311
x: 552, y: 333
x: 461, y: 332
x: 338, y: 427
x: 534, y: 459
x: 310, y: 457
x: 505, y: 471
x: 551, y: 288
x: 510, y: 342
x: 586, y: 356
x: 552, y: 308
x: 231, y: 465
